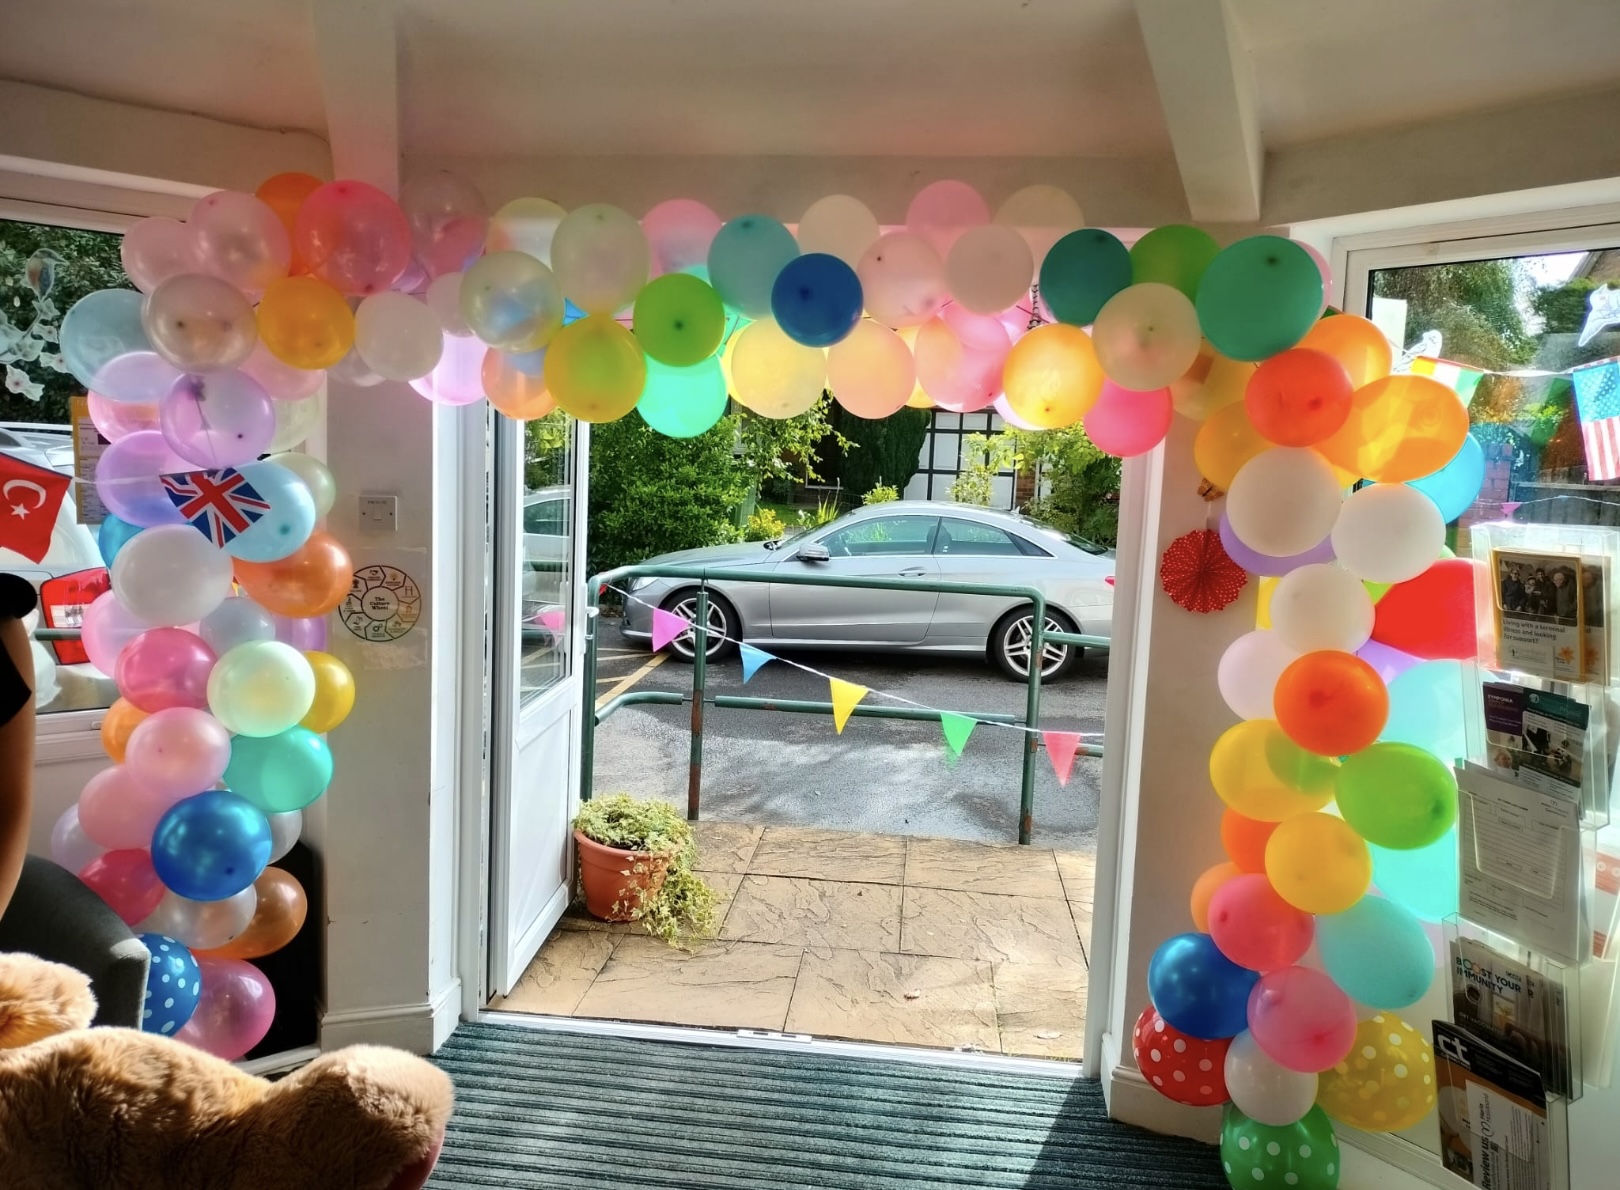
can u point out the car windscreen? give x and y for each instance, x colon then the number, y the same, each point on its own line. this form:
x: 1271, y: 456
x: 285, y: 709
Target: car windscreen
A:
x: 1074, y: 539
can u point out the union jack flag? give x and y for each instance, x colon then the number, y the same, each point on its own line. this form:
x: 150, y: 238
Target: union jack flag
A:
x: 219, y: 504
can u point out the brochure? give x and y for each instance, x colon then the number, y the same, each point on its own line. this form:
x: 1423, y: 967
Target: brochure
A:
x: 1536, y: 738
x: 1594, y: 602
x: 1539, y: 628
x: 1519, y: 1011
x: 1493, y: 1114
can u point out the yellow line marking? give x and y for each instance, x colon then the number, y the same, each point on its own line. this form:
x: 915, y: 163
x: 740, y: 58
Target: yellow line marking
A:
x: 631, y: 680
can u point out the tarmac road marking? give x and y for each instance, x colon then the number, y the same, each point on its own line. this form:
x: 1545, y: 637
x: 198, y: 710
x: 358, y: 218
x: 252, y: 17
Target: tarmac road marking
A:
x: 630, y: 680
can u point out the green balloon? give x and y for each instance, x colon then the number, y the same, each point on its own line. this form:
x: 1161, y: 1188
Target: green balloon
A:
x: 1303, y: 1155
x: 1081, y: 272
x: 1295, y: 767
x: 279, y: 773
x: 1174, y: 255
x: 1397, y: 796
x: 683, y: 402
x: 679, y: 319
x: 1258, y: 297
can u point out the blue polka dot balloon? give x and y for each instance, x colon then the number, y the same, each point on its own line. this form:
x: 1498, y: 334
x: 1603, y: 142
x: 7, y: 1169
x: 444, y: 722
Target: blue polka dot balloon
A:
x: 173, y: 984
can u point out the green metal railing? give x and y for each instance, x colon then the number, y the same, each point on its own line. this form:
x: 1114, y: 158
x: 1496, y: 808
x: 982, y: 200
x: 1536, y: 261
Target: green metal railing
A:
x: 699, y: 698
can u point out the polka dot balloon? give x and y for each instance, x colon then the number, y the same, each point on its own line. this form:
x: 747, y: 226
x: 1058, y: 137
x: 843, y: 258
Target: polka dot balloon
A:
x: 1387, y: 1082
x: 1304, y: 1155
x: 173, y: 984
x: 1186, y: 1069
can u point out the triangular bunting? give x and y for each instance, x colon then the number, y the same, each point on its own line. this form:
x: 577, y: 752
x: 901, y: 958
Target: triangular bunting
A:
x: 844, y: 697
x: 666, y: 627
x: 752, y: 659
x: 957, y: 728
x: 1060, y: 749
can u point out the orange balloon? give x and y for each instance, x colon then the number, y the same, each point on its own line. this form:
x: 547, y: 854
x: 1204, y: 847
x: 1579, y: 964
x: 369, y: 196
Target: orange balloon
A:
x: 1212, y: 383
x: 284, y: 194
x: 1331, y: 703
x: 121, y: 719
x: 1356, y: 343
x: 1052, y: 376
x: 1298, y: 397
x: 276, y: 921
x: 1226, y: 441
x: 1245, y: 840
x: 305, y: 323
x: 1204, y: 889
x: 1399, y: 428
x: 512, y: 391
x: 311, y: 581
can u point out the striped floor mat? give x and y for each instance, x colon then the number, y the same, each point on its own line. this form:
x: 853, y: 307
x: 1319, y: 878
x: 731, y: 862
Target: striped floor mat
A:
x: 544, y: 1110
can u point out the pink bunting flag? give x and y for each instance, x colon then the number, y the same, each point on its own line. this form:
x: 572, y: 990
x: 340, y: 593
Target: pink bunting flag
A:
x: 666, y: 626
x: 1060, y: 749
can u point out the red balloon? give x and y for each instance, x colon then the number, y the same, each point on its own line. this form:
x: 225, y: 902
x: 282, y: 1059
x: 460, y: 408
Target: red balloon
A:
x: 1256, y: 928
x: 1298, y: 397
x: 1432, y: 615
x: 127, y: 881
x: 1331, y: 703
x: 1186, y: 1069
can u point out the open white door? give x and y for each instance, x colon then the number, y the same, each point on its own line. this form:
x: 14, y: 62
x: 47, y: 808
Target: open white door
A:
x: 539, y: 522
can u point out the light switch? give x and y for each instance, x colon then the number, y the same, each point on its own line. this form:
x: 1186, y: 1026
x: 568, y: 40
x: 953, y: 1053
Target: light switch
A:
x: 379, y: 514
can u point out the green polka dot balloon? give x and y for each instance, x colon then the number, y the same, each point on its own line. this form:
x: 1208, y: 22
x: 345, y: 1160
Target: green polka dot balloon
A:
x: 1304, y: 1154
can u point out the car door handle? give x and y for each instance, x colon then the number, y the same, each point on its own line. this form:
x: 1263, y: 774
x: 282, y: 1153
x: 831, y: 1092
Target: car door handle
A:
x: 914, y: 572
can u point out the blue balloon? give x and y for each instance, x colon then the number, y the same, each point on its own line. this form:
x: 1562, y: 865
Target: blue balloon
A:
x: 1426, y: 708
x: 1455, y: 487
x: 211, y: 846
x: 288, y: 523
x: 744, y: 259
x: 1199, y: 990
x: 1377, y: 952
x: 173, y: 985
x: 113, y: 535
x: 817, y: 299
x: 1423, y: 880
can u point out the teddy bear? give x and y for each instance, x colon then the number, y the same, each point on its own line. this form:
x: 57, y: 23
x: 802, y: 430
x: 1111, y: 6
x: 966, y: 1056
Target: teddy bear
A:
x: 118, y: 1109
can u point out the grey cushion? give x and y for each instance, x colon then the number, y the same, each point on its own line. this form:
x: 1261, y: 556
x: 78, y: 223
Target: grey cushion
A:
x: 53, y: 915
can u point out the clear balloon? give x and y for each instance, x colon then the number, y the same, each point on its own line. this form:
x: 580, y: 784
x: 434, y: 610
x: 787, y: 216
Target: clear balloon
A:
x: 961, y: 373
x: 1318, y: 863
x: 241, y: 240
x: 173, y: 985
x: 595, y: 369
x: 840, y: 226
x: 942, y: 211
x: 119, y: 419
x: 118, y: 810
x: 1301, y: 1019
x: 303, y: 634
x: 515, y: 393
x: 282, y: 772
x: 165, y: 667
x: 334, y: 692
x: 773, y: 375
x: 128, y: 483
x: 107, y: 627
x: 1387, y: 1081
x: 744, y: 259
x: 679, y: 232
x: 1258, y: 297
x: 1259, y: 772
x: 1043, y: 215
x: 1388, y: 533
x: 683, y: 402
x: 211, y: 846
x: 156, y: 249
x: 200, y: 323
x: 297, y: 420
x: 202, y: 924
x: 600, y: 256
x: 1423, y: 879
x: 314, y: 474
x: 1399, y: 428
x: 284, y: 832
x: 1426, y: 709
x: 261, y: 688
x: 458, y: 379
x: 1128, y: 422
x: 1249, y: 670
x: 126, y: 880
x: 1146, y: 336
x: 1322, y: 607
x: 903, y: 279
x: 219, y: 419
x: 1377, y: 952
x: 1256, y: 928
x: 171, y: 574
x: 1052, y: 376
x: 397, y: 336
x: 872, y: 373
x: 236, y: 621
x: 178, y: 752
x: 1213, y: 382
x: 512, y: 301
x: 312, y: 581
x: 237, y: 1008
x: 281, y: 381
x: 1284, y: 501
x: 448, y: 220
x: 1331, y: 703
x: 525, y: 225
x: 679, y: 320
x: 443, y: 297
x: 353, y: 237
x: 1263, y: 1090
x: 1197, y: 989
x: 1455, y: 487
x: 989, y: 268
x: 104, y: 340
x: 305, y: 324
x: 278, y: 914
x: 70, y: 846
x: 1081, y: 272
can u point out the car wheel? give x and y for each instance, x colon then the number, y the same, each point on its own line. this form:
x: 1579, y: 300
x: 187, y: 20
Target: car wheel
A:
x: 1011, y: 638
x: 723, y: 625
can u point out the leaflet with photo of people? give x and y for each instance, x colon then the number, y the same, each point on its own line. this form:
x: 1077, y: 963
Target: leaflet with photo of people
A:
x: 1540, y: 628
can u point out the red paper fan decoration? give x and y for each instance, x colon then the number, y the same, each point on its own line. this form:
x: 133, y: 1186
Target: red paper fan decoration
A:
x: 1197, y: 573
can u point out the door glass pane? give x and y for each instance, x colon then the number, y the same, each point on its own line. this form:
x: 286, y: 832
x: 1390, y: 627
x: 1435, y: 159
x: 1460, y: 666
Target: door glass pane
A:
x: 547, y: 606
x: 959, y: 538
x: 882, y: 535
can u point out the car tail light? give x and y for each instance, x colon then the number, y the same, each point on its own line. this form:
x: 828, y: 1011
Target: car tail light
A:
x: 62, y: 602
x: 1109, y: 579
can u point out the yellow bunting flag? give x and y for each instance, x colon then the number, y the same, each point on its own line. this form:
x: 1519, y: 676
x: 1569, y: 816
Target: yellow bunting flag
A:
x: 844, y: 697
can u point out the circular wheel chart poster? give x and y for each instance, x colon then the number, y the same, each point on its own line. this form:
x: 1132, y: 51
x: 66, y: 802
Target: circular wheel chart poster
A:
x: 384, y: 604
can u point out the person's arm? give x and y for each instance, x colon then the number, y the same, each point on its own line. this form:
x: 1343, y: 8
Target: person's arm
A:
x: 16, y: 732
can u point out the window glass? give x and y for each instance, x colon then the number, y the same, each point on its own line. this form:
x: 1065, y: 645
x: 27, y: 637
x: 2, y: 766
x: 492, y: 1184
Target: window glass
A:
x: 43, y: 271
x: 959, y: 538
x: 547, y: 608
x: 882, y: 536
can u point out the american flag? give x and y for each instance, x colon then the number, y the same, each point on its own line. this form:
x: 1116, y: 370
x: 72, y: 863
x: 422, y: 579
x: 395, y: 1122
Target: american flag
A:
x: 219, y: 504
x: 1597, y: 405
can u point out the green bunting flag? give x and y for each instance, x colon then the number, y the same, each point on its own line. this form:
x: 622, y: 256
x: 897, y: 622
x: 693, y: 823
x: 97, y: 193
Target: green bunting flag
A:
x: 957, y: 728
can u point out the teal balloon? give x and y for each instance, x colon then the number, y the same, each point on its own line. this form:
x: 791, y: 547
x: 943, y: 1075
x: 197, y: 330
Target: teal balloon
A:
x: 1426, y: 709
x: 1377, y: 952
x: 1258, y: 297
x: 1081, y: 272
x: 113, y: 535
x: 1423, y: 880
x: 1303, y: 1155
x: 289, y: 521
x: 683, y: 402
x: 279, y: 773
x: 744, y: 259
x: 1455, y: 487
x: 1174, y: 255
x: 101, y: 328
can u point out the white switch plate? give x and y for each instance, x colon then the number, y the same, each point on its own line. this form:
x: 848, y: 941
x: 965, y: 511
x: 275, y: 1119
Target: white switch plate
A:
x: 379, y: 514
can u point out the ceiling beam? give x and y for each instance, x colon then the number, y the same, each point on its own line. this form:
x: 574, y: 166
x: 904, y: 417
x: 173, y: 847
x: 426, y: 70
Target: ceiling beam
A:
x: 357, y: 50
x: 1206, y: 86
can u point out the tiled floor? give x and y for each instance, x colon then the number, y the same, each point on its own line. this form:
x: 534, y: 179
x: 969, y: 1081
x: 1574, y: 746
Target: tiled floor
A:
x: 928, y: 942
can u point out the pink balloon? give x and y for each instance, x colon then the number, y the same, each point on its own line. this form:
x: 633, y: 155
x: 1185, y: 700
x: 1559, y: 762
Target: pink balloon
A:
x: 106, y: 628
x: 240, y: 240
x: 1254, y: 927
x: 959, y: 366
x: 126, y: 880
x: 1125, y: 422
x: 156, y: 249
x: 1301, y: 1019
x: 119, y: 419
x: 679, y: 233
x: 178, y: 752
x: 236, y: 1009
x: 223, y: 419
x: 140, y: 377
x: 282, y: 382
x: 119, y: 811
x: 942, y: 211
x: 1323, y: 267
x: 70, y: 846
x: 163, y: 668
x: 448, y: 218
x: 353, y: 236
x: 458, y: 378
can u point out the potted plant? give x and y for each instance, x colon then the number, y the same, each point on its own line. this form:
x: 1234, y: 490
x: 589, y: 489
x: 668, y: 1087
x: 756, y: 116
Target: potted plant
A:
x: 635, y: 864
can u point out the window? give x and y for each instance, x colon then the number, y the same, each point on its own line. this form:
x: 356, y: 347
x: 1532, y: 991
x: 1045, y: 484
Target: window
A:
x: 547, y: 608
x: 883, y: 536
x: 973, y: 539
x: 939, y: 461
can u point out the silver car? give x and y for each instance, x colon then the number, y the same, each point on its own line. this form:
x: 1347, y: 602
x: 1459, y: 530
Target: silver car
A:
x: 910, y: 539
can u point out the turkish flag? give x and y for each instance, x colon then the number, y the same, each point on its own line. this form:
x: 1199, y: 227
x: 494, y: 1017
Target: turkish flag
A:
x: 30, y: 497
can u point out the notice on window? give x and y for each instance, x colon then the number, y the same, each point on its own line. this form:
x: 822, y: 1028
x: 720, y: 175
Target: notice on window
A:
x: 87, y: 447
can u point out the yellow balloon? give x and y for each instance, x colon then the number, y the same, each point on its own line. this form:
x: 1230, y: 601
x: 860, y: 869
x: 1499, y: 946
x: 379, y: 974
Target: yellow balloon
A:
x: 1400, y: 428
x: 1318, y: 863
x: 305, y: 323
x: 1052, y: 376
x: 334, y: 693
x: 774, y: 375
x: 1387, y: 1083
x: 1261, y: 773
x: 1226, y: 441
x: 1213, y: 382
x: 1355, y: 342
x: 1262, y: 607
x: 595, y: 370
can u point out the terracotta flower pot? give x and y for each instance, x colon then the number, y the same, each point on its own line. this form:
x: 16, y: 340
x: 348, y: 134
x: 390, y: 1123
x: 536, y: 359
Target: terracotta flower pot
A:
x: 617, y: 883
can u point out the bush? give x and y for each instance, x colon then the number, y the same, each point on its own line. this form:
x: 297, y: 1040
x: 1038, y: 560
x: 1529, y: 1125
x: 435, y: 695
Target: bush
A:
x: 685, y: 904
x: 764, y: 525
x: 883, y: 452
x: 882, y: 494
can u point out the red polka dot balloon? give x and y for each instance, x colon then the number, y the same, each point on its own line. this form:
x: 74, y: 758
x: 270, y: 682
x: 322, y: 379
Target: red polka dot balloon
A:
x: 1180, y: 1067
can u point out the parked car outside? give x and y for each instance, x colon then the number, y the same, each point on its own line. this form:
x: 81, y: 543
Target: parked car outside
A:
x: 908, y: 540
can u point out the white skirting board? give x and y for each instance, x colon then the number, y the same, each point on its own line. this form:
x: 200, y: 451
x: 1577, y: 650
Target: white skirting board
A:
x: 420, y: 1028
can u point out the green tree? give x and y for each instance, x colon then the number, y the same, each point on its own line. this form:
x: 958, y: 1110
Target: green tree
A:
x: 1562, y: 308
x: 1474, y: 305
x: 783, y: 448
x: 880, y: 452
x: 1083, y: 482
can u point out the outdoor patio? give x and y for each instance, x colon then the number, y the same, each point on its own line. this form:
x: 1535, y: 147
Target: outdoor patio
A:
x: 907, y: 941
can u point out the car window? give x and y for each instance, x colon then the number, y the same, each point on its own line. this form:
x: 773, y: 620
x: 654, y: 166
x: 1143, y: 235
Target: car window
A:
x: 547, y: 516
x: 973, y: 539
x: 883, y: 536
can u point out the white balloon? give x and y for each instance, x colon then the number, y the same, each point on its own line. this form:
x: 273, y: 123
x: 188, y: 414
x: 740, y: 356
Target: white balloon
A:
x: 990, y: 267
x: 1249, y: 671
x: 284, y: 832
x: 202, y: 925
x: 1263, y: 1090
x: 443, y: 297
x: 397, y: 336
x: 1388, y: 533
x: 1284, y: 501
x: 1043, y: 215
x: 1322, y: 607
x: 840, y: 226
x: 316, y: 475
x: 171, y: 575
x: 297, y: 420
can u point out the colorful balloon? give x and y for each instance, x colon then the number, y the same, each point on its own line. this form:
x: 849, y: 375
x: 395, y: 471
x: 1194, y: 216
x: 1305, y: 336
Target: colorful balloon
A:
x: 1146, y: 336
x: 1198, y: 990
x: 1212, y: 382
x: 397, y: 336
x: 1377, y: 952
x: 200, y: 323
x: 126, y: 880
x: 1354, y: 341
x: 1174, y: 255
x: 285, y: 194
x: 119, y: 419
x: 989, y: 268
x: 595, y: 369
x: 240, y: 239
x: 157, y: 248
x: 177, y: 752
x: 679, y: 320
x: 314, y: 475
x: 171, y: 574
x: 165, y: 667
x: 118, y: 810
x: 600, y: 256
x: 816, y: 299
x: 353, y: 237
x: 70, y: 846
x: 1256, y: 928
x: 459, y: 377
x: 744, y: 259
x: 237, y: 1008
x: 1298, y: 398
x: 1052, y: 376
x: 1284, y: 501
x: 961, y: 376
x: 512, y: 391
x: 305, y: 324
x: 202, y: 924
x: 211, y: 846
x: 1209, y: 882
x: 105, y: 347
x: 512, y: 301
x: 1259, y: 772
x: 774, y: 375
x: 871, y: 373
x: 903, y: 280
x: 302, y: 634
x: 236, y: 621
x: 1081, y: 272
x: 117, y: 725
x: 1264, y: 564
x: 221, y: 419
x: 941, y: 211
x: 279, y: 912
x: 525, y: 225
x: 1264, y: 1091
x: 1388, y: 533
x: 127, y: 479
x: 1322, y: 607
x: 1128, y: 422
x: 1183, y: 1068
x: 173, y: 985
x: 1043, y: 215
x: 106, y: 628
x: 448, y: 220
x: 1422, y: 879
x: 311, y: 581
x: 1399, y: 428
x: 1455, y: 487
x: 1426, y: 709
x: 1387, y: 1081
x: 334, y: 692
x: 1318, y: 863
x: 1225, y: 443
x: 679, y: 232
x: 1397, y: 796
x: 1301, y: 1019
x: 1244, y: 840
x: 839, y: 226
x: 261, y: 689
x: 683, y: 402
x: 1331, y: 703
x: 1431, y: 616
x: 280, y: 773
x: 1304, y: 1154
x: 1259, y: 297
